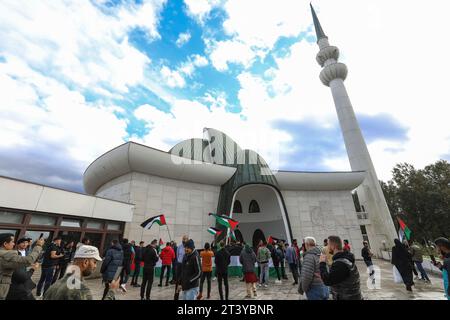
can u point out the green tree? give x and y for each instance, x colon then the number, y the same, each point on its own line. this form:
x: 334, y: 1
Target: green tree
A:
x: 421, y: 197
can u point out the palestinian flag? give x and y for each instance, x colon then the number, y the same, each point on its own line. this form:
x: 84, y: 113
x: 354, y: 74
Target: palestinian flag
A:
x: 147, y: 224
x: 273, y: 240
x: 225, y: 221
x: 214, y: 231
x: 232, y: 235
x: 406, y: 231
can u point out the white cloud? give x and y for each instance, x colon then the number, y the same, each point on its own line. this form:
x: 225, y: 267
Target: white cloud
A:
x: 183, y: 38
x: 193, y: 62
x: 40, y: 110
x: 172, y: 78
x: 76, y: 42
x: 222, y: 53
x: 200, y: 9
x: 259, y: 23
x: 52, y: 51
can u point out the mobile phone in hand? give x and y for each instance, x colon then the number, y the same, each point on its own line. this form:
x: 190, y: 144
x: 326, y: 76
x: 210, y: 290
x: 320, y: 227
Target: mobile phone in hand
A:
x: 41, y: 236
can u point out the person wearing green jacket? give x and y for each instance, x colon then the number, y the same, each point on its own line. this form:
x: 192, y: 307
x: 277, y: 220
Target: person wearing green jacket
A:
x: 10, y: 260
x: 263, y: 257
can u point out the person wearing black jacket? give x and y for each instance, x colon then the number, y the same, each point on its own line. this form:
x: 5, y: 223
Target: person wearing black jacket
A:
x: 191, y: 272
x: 50, y: 261
x: 137, y: 263
x: 367, y: 257
x: 127, y: 251
x: 275, y: 260
x: 22, y: 285
x: 222, y: 261
x: 150, y: 258
x: 111, y: 262
x: 343, y: 276
x: 401, y: 259
x: 64, y: 261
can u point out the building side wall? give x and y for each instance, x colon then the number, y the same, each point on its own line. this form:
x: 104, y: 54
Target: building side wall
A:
x: 324, y: 213
x: 185, y: 205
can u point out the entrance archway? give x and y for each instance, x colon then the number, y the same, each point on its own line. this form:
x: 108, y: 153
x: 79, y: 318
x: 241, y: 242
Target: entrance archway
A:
x: 271, y: 218
x: 258, y: 235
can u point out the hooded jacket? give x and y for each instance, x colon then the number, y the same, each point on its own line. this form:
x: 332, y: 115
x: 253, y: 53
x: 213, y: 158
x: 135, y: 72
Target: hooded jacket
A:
x: 167, y: 256
x: 343, y: 276
x: 247, y: 259
x: 190, y: 271
x: 310, y: 275
x: 112, y: 261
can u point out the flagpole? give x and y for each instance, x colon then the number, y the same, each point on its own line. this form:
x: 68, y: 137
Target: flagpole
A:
x: 167, y: 226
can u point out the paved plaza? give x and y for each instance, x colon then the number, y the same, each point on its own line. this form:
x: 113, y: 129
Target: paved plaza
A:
x: 286, y: 291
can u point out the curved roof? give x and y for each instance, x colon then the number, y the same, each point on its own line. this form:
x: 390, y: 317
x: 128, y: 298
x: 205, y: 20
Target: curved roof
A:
x: 193, y: 149
x: 135, y: 157
x: 315, y: 181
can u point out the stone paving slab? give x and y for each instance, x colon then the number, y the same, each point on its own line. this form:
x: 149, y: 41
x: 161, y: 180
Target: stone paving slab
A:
x: 286, y: 291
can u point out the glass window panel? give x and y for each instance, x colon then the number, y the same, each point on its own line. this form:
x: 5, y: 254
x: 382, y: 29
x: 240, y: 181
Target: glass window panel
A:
x: 114, y: 226
x: 68, y: 236
x: 94, y: 224
x: 48, y: 236
x: 41, y: 220
x: 71, y: 223
x: 11, y: 217
x: 96, y: 239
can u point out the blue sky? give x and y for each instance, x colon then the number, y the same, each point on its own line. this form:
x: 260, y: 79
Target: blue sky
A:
x: 78, y: 78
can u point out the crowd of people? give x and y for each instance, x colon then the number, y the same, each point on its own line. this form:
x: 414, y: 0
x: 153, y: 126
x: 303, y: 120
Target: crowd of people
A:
x: 320, y: 272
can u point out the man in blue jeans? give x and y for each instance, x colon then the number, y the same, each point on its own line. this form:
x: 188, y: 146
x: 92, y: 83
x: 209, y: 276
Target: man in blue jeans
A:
x: 417, y: 258
x: 191, y: 272
x: 51, y: 257
x: 310, y: 281
x: 291, y: 258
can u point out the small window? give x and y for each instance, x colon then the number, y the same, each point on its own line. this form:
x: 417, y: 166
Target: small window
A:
x: 237, y: 207
x: 73, y: 223
x: 212, y: 139
x: 11, y: 217
x: 116, y: 226
x: 213, y: 152
x: 41, y: 220
x: 253, y: 207
x: 91, y: 224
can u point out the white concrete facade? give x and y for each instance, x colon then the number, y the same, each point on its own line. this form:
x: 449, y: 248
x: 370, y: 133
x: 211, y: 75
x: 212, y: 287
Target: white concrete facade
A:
x: 23, y: 195
x: 185, y: 205
x: 323, y: 213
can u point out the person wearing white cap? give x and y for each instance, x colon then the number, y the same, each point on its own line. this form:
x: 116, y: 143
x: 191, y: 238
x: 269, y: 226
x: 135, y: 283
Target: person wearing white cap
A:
x: 72, y: 285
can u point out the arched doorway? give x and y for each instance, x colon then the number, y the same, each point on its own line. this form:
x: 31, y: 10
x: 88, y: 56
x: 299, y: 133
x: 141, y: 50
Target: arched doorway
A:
x: 258, y: 235
x: 269, y: 220
x: 238, y: 235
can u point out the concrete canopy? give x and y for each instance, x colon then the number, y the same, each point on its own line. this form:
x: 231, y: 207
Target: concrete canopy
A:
x: 133, y: 157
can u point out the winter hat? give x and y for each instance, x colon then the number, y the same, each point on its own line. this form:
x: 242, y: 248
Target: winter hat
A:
x: 190, y: 244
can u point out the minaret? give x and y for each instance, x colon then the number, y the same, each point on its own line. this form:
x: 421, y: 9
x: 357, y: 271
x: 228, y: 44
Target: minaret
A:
x: 381, y: 227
